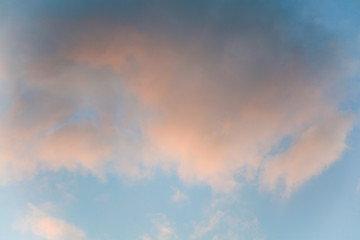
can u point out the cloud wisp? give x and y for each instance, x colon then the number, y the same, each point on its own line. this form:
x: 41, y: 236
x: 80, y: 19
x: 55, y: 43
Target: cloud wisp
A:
x: 39, y: 223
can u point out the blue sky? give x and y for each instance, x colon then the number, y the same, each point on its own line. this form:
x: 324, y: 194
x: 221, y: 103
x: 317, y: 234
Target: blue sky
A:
x: 154, y: 120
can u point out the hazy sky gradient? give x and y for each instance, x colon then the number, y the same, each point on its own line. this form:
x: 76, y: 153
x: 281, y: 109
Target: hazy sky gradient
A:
x: 157, y: 120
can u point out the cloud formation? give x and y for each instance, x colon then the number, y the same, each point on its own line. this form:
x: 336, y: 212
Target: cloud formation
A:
x: 41, y: 224
x: 222, y: 225
x: 315, y: 149
x: 211, y: 106
x: 162, y: 229
x: 179, y: 196
x: 202, y: 229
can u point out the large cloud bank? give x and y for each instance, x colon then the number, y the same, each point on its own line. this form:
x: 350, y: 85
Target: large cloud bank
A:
x: 215, y: 95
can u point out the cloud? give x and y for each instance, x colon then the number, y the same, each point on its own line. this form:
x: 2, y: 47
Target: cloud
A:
x: 179, y: 196
x: 222, y: 225
x: 218, y: 116
x: 202, y: 229
x: 50, y: 125
x: 39, y: 223
x: 211, y: 105
x: 162, y: 229
x: 315, y: 149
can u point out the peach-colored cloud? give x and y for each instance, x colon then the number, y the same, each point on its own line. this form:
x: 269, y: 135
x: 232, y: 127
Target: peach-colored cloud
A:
x: 315, y: 149
x: 45, y: 145
x: 44, y: 131
x: 210, y: 112
x: 76, y: 145
x: 216, y: 116
x: 2, y: 69
x: 41, y: 224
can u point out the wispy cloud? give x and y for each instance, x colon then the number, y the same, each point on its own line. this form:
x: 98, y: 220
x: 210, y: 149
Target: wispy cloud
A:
x: 203, y: 228
x: 316, y: 149
x: 221, y: 225
x: 162, y: 229
x: 43, y: 225
x: 179, y: 196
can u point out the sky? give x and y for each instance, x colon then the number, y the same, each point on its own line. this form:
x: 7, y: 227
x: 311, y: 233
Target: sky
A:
x: 179, y: 120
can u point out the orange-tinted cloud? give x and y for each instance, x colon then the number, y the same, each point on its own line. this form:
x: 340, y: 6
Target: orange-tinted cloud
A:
x: 41, y: 224
x: 219, y: 116
x: 210, y: 111
x: 315, y: 149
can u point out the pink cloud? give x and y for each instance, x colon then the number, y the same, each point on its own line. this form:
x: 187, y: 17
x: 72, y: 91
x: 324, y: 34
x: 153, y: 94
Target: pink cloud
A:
x: 314, y: 150
x: 209, y: 115
x: 41, y: 224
